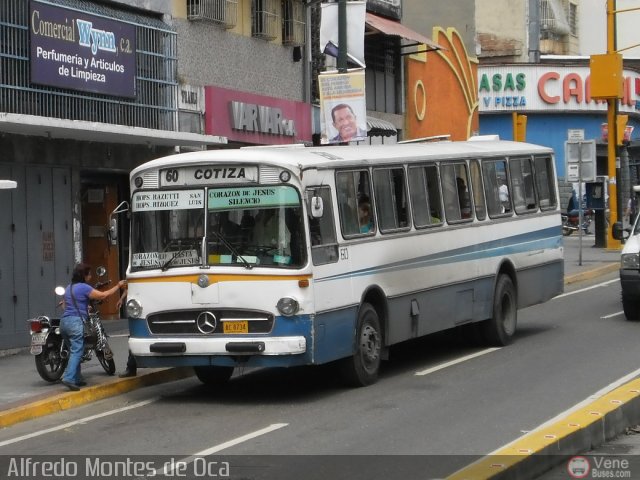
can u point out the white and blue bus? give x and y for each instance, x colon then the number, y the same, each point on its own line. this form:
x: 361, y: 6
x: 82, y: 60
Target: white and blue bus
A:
x: 261, y: 257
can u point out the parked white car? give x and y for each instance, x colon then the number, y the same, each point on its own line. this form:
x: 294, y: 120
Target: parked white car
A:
x: 630, y: 268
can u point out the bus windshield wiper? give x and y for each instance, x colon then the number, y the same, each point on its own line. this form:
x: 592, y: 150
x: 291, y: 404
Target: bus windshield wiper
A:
x: 233, y: 250
x: 179, y: 243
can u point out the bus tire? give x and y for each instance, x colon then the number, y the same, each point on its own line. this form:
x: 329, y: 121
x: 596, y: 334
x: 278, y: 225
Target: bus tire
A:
x: 213, y: 376
x: 500, y: 328
x: 362, y: 368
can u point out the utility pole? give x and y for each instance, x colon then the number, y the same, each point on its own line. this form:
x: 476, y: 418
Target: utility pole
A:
x: 613, y: 162
x: 342, y: 36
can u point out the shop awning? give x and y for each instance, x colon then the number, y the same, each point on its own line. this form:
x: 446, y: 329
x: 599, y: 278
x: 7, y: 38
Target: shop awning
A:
x: 380, y: 128
x: 102, y: 132
x: 396, y: 29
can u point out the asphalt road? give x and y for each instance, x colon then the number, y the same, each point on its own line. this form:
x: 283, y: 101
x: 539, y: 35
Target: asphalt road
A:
x: 444, y: 400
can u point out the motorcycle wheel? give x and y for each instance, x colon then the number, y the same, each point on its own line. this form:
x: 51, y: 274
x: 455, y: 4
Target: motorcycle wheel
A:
x: 50, y: 365
x: 108, y: 365
x: 566, y: 231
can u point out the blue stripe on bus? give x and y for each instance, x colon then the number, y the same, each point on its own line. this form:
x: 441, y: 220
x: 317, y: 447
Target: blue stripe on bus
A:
x: 548, y: 238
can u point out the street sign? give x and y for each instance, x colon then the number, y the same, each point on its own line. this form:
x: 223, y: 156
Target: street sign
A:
x: 575, y: 134
x: 580, y: 160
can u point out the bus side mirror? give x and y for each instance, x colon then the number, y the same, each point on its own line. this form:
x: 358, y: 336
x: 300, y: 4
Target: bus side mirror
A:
x: 317, y: 207
x: 618, y: 231
x: 112, y: 230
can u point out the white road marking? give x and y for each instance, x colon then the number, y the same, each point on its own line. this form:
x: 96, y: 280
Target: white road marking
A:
x: 611, y: 315
x: 224, y: 446
x: 603, y: 284
x: 456, y: 361
x: 77, y: 422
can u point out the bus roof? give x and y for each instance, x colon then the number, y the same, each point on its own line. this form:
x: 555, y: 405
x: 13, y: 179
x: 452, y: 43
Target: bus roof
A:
x: 300, y: 157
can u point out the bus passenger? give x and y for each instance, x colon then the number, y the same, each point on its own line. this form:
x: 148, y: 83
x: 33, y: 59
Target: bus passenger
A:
x: 503, y: 193
x: 364, y: 217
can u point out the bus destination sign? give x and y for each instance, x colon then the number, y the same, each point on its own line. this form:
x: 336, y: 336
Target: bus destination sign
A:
x: 208, y: 175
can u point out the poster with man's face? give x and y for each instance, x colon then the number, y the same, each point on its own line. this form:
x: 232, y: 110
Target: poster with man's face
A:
x: 343, y: 110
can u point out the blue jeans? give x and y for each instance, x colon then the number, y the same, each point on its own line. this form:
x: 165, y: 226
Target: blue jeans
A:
x: 73, y: 333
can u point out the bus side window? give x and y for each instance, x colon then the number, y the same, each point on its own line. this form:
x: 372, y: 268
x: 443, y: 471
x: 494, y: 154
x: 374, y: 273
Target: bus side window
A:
x: 353, y: 188
x: 524, y: 199
x: 391, y: 196
x: 425, y: 196
x: 455, y: 191
x: 322, y: 233
x: 496, y: 187
x: 545, y: 182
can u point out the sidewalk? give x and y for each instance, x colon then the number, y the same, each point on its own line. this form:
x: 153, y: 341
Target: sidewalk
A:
x: 24, y: 395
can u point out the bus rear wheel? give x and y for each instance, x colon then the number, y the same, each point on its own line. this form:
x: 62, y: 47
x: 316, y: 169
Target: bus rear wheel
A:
x: 499, y: 330
x: 213, y: 376
x: 362, y: 368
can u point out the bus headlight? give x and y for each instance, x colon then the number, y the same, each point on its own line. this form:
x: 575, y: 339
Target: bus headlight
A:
x: 134, y: 309
x: 288, y: 306
x: 630, y: 261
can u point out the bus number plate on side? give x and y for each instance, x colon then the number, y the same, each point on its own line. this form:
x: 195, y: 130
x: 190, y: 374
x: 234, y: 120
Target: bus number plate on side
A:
x: 240, y: 326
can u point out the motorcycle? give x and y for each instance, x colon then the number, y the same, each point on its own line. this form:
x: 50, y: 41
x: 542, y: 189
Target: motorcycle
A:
x: 52, y: 352
x: 571, y: 219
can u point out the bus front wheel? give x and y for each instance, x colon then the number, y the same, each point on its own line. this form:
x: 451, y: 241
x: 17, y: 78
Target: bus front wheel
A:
x: 361, y: 369
x: 213, y: 376
x: 499, y: 329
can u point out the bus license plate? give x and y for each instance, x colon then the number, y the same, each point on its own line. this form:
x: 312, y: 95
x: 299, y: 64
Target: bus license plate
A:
x: 241, y: 326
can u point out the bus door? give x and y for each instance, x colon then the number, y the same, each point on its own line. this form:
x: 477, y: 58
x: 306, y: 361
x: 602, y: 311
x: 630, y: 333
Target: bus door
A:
x: 331, y: 281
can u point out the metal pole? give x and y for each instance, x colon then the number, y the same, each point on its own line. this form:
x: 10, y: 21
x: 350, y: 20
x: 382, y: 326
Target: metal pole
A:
x: 342, y: 36
x: 579, y: 203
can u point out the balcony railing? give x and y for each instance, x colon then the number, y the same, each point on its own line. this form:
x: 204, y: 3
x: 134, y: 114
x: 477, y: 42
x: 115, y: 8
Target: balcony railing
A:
x: 221, y: 12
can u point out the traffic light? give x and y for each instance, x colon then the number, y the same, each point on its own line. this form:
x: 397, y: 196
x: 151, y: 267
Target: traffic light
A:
x: 519, y: 127
x: 621, y: 126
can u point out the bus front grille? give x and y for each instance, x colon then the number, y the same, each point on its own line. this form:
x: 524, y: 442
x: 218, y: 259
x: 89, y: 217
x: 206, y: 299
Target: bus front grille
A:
x: 210, y: 322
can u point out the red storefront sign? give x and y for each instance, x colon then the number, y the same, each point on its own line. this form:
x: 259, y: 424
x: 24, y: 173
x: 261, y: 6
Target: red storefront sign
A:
x: 256, y: 119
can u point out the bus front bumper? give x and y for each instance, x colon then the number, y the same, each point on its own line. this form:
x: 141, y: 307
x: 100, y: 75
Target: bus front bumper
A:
x: 143, y: 347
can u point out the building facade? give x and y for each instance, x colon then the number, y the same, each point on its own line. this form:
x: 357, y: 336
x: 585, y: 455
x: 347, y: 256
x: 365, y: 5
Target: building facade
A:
x: 88, y: 91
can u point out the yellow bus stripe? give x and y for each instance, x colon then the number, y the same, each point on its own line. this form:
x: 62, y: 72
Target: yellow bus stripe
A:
x: 220, y: 278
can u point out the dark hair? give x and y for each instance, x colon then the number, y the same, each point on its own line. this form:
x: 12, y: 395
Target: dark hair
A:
x: 340, y: 106
x: 80, y: 272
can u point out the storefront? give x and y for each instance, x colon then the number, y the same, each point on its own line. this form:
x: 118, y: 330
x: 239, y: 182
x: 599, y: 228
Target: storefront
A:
x: 556, y: 97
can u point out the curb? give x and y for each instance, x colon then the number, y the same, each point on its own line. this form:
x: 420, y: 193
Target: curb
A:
x: 580, y: 431
x: 68, y: 400
x: 591, y: 274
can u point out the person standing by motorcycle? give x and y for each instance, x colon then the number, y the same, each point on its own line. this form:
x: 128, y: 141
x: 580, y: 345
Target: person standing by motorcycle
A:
x: 77, y: 297
x: 573, y: 202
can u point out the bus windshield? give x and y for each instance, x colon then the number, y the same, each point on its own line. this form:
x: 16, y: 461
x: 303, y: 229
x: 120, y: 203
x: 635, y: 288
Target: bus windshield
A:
x: 239, y: 226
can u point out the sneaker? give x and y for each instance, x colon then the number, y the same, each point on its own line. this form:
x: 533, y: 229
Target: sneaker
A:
x: 128, y: 373
x: 71, y: 386
x: 81, y: 383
